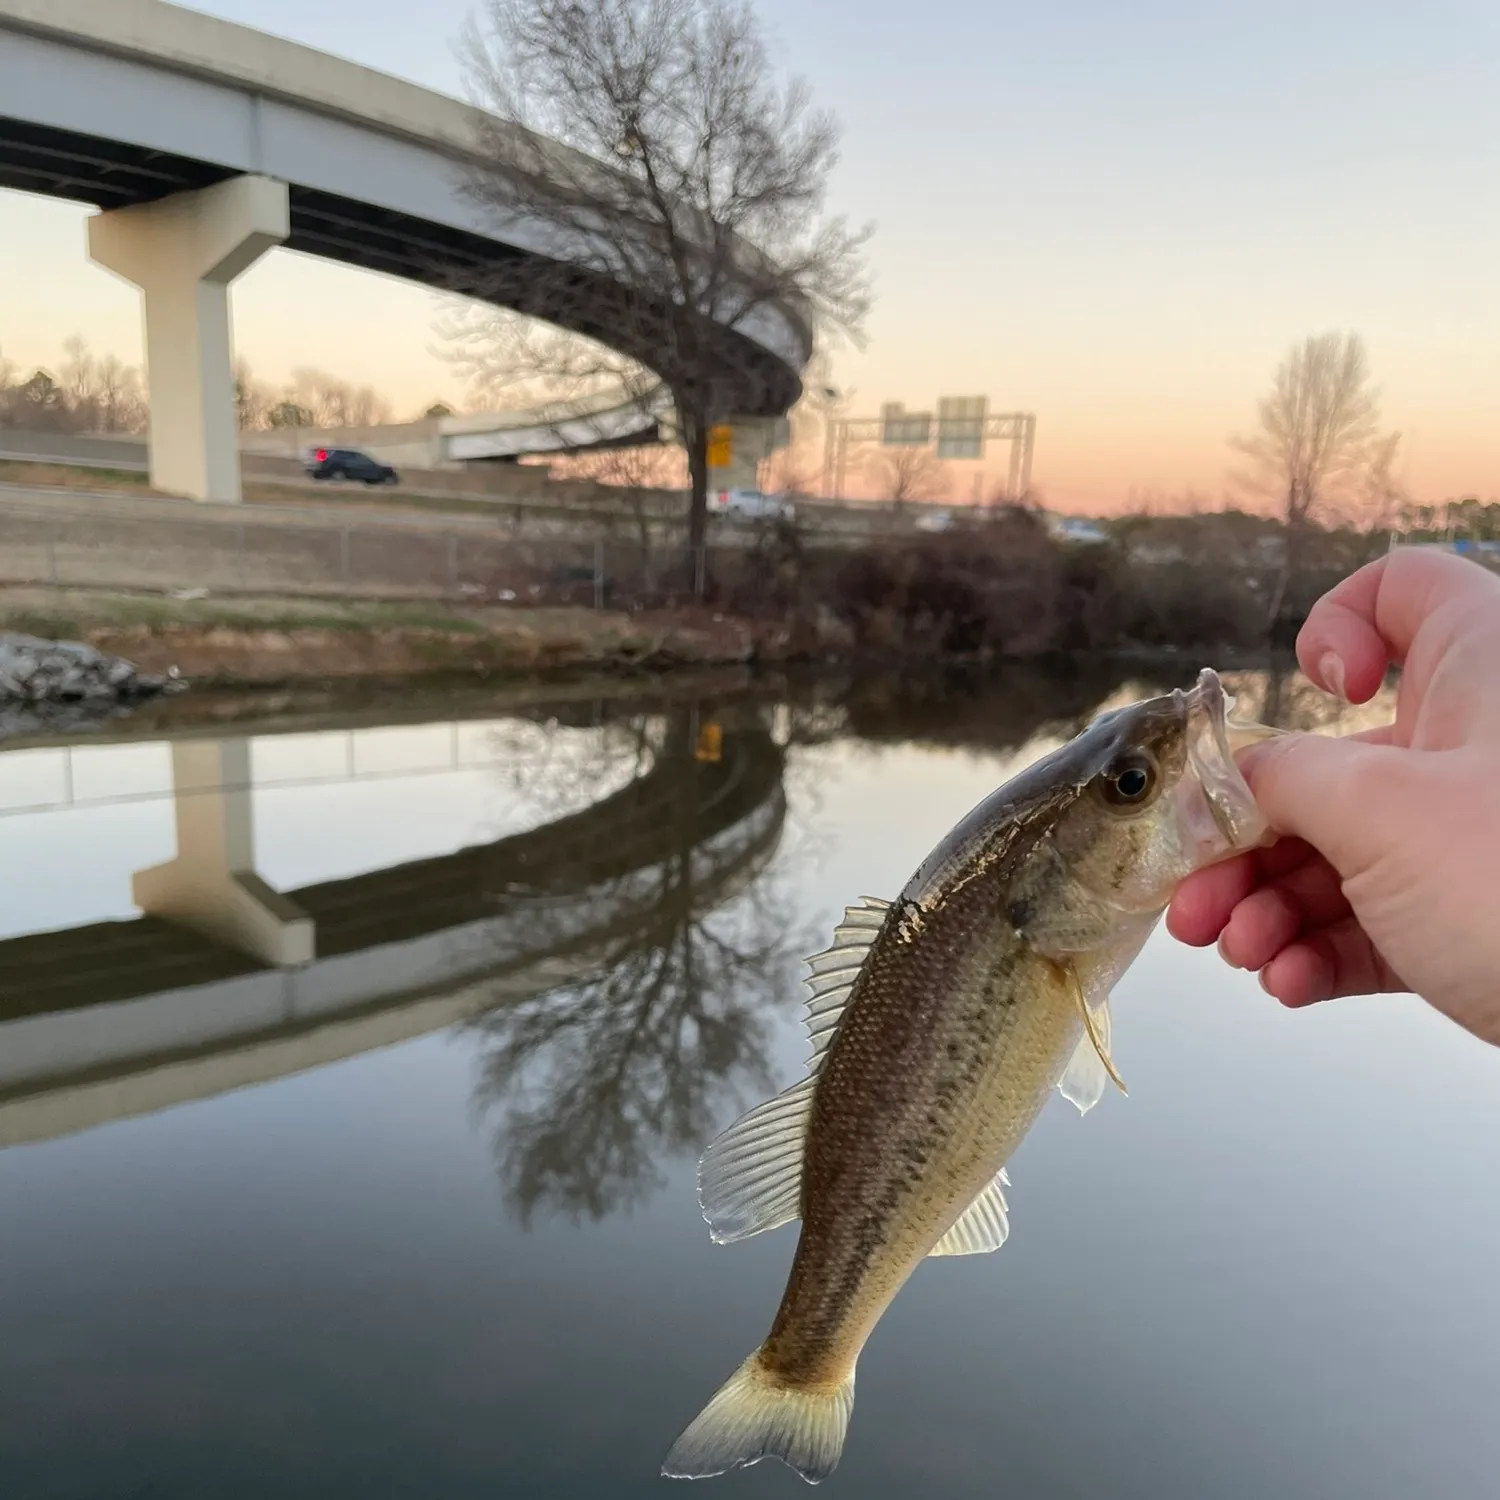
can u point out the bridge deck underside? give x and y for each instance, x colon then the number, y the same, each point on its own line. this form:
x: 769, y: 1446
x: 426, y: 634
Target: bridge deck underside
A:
x: 115, y: 174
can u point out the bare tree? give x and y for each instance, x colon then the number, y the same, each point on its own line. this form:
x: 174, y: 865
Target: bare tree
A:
x: 689, y: 195
x: 911, y: 473
x: 639, y: 474
x: 1319, y: 448
x: 90, y: 393
x: 1383, y: 497
x: 337, y: 403
x: 312, y: 398
x: 287, y: 413
x: 101, y: 392
x: 37, y: 403
x: 253, y: 399
x: 791, y: 471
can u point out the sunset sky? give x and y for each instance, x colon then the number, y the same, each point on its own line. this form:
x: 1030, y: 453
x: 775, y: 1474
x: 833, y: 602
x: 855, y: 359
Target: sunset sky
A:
x: 1118, y: 217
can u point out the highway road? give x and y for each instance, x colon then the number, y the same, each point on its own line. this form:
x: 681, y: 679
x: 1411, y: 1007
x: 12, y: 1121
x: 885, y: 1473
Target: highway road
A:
x: 83, y: 505
x: 74, y: 449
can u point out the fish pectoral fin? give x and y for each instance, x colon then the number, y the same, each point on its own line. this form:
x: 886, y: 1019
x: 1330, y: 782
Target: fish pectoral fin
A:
x: 982, y: 1226
x: 1095, y: 1029
x: 1085, y: 1078
x: 750, y: 1179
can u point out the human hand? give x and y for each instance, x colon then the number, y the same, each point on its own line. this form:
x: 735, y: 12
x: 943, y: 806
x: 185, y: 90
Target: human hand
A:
x: 1387, y: 872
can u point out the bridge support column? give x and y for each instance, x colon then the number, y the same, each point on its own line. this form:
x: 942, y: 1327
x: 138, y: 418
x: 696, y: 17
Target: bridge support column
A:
x: 211, y: 886
x: 752, y: 440
x: 182, y: 252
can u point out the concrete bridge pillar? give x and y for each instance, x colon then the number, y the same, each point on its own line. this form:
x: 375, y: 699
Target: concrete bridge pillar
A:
x: 211, y: 886
x: 182, y: 252
x: 744, y: 444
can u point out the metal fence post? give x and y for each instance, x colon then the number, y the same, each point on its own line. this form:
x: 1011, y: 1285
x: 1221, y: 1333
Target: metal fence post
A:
x: 452, y: 563
x: 344, y: 558
x: 599, y: 573
x: 700, y: 565
x: 52, y: 553
x: 239, y: 543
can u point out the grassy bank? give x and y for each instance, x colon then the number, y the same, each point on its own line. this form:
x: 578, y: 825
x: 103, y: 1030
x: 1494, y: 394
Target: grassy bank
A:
x: 268, y: 641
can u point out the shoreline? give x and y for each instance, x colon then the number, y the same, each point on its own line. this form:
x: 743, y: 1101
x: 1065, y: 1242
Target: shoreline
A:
x: 269, y: 645
x: 274, y: 641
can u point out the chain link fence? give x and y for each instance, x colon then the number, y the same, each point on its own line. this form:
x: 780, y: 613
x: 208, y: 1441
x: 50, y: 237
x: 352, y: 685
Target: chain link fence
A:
x: 229, y: 555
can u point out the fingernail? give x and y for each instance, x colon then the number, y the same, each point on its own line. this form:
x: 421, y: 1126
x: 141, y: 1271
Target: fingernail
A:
x: 1223, y: 955
x: 1331, y: 670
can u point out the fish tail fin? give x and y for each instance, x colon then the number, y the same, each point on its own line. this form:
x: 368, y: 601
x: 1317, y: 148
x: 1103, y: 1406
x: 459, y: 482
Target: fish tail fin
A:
x: 753, y: 1415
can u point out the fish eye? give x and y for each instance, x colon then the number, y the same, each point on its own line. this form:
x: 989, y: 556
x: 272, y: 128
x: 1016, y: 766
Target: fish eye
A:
x: 1130, y: 781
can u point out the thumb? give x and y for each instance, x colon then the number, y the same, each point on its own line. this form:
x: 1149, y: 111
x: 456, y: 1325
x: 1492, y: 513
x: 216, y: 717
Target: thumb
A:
x: 1328, y: 792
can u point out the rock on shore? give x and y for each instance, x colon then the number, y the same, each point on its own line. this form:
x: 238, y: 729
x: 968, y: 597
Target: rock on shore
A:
x: 70, y: 678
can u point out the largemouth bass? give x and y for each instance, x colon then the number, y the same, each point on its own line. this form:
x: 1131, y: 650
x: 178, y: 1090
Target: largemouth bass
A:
x: 940, y: 1024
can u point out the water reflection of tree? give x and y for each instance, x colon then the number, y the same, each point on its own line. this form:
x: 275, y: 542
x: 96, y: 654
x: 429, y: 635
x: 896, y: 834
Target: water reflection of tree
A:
x: 1005, y: 709
x: 986, y: 710
x: 595, y: 1081
x: 555, y: 769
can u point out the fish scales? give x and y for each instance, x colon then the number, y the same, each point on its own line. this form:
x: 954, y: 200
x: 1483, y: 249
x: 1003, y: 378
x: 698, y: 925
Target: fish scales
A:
x: 946, y: 1055
x: 940, y: 1024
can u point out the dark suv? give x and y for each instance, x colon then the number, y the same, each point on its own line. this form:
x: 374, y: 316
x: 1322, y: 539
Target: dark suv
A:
x: 348, y: 463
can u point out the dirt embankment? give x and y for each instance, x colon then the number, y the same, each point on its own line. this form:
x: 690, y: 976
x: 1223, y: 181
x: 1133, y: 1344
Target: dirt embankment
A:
x: 274, y: 641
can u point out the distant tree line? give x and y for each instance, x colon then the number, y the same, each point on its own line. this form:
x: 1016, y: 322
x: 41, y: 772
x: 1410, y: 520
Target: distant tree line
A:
x: 311, y: 398
x: 100, y: 393
x: 1466, y: 517
x: 88, y: 393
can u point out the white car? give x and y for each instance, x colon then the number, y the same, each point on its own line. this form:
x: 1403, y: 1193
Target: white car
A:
x: 750, y: 505
x: 935, y: 520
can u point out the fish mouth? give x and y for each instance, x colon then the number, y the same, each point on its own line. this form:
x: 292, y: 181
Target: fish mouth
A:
x: 1234, y: 819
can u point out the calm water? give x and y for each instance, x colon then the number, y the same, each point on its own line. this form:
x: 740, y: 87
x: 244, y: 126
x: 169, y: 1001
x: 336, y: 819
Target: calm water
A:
x: 418, y: 1220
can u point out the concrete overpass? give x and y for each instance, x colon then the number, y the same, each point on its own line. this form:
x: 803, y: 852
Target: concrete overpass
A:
x: 462, y: 439
x: 205, y: 144
x: 225, y: 983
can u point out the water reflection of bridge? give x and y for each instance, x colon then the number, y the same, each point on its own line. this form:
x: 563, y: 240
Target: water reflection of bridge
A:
x: 225, y: 982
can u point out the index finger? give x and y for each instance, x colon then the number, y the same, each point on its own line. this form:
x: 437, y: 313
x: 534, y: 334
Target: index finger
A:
x: 1358, y: 628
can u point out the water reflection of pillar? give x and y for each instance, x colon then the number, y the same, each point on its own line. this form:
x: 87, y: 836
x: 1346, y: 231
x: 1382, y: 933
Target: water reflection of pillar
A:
x: 211, y: 885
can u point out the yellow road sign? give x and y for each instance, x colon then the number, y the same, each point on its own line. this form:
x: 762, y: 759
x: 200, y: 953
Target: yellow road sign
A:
x: 710, y: 746
x: 720, y: 447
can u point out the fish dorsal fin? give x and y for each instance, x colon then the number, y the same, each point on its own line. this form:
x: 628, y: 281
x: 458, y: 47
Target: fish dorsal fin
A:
x: 750, y: 1179
x: 834, y: 971
x: 982, y: 1226
x: 1085, y: 1078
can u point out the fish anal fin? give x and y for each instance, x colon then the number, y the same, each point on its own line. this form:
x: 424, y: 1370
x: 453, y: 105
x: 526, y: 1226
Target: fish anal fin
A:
x: 983, y: 1225
x: 750, y: 1178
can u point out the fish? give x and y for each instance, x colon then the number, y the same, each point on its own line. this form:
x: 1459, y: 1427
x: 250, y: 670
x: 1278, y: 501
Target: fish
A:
x: 941, y: 1022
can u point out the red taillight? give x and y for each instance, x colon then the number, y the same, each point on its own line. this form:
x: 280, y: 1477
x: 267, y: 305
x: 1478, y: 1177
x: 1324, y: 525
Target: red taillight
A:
x: 321, y: 455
